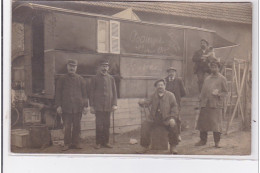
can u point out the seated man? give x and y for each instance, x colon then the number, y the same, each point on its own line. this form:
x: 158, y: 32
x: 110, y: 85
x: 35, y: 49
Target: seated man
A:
x: 163, y: 112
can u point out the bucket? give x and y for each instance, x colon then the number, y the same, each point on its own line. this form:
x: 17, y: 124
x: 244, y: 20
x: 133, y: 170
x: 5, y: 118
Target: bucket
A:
x: 40, y: 136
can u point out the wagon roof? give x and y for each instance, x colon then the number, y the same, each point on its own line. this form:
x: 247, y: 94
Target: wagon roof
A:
x: 219, y: 42
x: 229, y: 12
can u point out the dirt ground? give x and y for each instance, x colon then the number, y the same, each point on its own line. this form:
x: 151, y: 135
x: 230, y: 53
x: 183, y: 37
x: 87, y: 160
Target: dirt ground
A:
x: 236, y: 143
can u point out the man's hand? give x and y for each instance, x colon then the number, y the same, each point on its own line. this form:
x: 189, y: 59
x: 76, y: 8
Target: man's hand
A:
x: 92, y: 110
x: 141, y: 102
x: 85, y: 110
x: 114, y: 107
x: 59, y: 110
x: 215, y: 92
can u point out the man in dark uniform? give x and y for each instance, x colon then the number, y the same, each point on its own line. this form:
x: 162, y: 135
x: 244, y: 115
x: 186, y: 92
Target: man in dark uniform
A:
x: 163, y: 112
x: 175, y: 85
x: 103, y: 100
x: 201, y: 67
x: 71, y: 100
x: 212, y: 96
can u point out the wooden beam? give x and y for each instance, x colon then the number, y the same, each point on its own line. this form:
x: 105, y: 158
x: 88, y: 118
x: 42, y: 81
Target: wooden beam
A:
x: 238, y: 99
x: 238, y: 89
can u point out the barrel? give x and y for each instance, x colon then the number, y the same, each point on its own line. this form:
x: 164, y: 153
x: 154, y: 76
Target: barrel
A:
x: 40, y: 136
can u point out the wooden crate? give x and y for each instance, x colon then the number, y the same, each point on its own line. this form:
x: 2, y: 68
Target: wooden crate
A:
x: 20, y: 138
x: 31, y: 115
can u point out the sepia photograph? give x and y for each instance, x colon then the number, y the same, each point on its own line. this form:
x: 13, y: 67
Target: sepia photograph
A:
x: 139, y: 78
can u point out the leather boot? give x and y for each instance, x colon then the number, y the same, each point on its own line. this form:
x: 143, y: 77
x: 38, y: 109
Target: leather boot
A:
x: 173, y: 149
x: 201, y: 143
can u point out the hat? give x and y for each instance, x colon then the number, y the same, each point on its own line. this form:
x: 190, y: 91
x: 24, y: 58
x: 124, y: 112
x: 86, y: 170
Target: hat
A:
x: 104, y: 62
x: 160, y: 80
x: 215, y: 61
x: 204, y: 41
x: 72, y: 62
x: 171, y: 68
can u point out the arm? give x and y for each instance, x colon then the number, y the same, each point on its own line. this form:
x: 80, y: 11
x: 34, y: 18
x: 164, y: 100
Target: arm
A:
x: 174, y: 105
x: 224, y: 91
x: 196, y: 57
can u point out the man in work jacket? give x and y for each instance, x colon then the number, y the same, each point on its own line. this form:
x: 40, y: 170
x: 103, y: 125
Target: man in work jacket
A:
x: 71, y: 101
x: 163, y: 112
x: 212, y: 96
x: 103, y: 100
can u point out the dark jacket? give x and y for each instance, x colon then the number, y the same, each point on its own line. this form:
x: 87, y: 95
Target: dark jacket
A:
x: 176, y: 87
x: 71, y: 93
x: 168, y: 105
x: 103, y: 93
x: 200, y: 65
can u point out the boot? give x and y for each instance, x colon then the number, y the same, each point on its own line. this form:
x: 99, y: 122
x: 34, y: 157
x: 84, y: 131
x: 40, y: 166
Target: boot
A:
x: 201, y: 143
x: 217, y: 145
x: 97, y: 146
x: 65, y: 147
x: 107, y: 146
x: 173, y: 149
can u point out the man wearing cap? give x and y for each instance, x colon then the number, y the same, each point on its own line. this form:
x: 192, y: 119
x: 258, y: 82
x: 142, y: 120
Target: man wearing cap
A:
x: 163, y: 112
x: 200, y: 59
x: 212, y: 96
x: 103, y: 100
x: 175, y: 86
x: 71, y: 101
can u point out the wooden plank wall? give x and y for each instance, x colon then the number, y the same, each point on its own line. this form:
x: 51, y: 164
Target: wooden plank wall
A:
x: 127, y: 118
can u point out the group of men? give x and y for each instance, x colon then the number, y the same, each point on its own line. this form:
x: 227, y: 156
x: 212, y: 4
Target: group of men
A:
x: 165, y: 102
x: 71, y: 100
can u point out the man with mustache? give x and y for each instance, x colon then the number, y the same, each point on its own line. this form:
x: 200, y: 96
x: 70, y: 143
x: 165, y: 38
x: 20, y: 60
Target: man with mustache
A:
x: 103, y: 100
x: 164, y: 113
x: 200, y: 58
x: 71, y: 100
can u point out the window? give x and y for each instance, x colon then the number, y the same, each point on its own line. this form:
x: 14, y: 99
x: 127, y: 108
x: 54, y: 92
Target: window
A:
x: 114, y: 37
x: 103, y: 36
x: 108, y: 36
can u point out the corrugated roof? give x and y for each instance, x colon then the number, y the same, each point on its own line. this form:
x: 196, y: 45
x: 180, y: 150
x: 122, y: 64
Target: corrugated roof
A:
x: 229, y: 12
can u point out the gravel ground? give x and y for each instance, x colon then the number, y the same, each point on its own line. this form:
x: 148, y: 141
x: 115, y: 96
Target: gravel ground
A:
x: 236, y: 143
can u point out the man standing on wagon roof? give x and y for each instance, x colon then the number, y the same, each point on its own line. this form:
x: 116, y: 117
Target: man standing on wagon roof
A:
x: 201, y: 60
x: 71, y: 101
x: 103, y: 100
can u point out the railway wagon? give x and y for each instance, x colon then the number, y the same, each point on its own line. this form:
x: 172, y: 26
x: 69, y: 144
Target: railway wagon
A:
x: 45, y: 37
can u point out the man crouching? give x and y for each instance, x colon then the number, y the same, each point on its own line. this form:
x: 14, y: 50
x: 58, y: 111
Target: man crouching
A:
x: 163, y: 112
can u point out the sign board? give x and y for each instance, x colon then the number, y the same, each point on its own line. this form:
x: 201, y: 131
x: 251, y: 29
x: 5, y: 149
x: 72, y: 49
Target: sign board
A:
x: 148, y: 39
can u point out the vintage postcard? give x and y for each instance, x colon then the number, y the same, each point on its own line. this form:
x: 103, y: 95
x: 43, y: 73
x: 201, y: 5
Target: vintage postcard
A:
x: 138, y: 78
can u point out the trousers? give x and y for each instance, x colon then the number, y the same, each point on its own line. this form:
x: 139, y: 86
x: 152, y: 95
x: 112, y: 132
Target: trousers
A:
x: 102, y: 127
x: 204, y: 136
x: 72, y: 128
x: 201, y: 77
x: 146, y: 129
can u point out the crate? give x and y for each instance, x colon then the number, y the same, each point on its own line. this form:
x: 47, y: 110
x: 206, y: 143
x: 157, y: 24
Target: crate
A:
x: 20, y: 138
x: 31, y: 115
